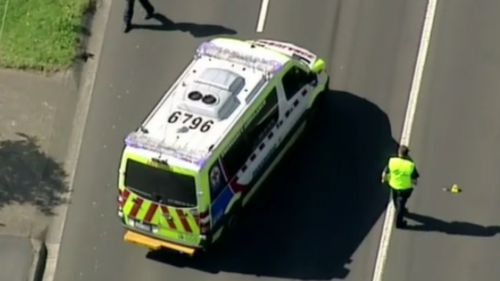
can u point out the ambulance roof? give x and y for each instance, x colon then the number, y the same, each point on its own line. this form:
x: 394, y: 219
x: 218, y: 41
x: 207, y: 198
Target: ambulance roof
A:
x: 208, y: 99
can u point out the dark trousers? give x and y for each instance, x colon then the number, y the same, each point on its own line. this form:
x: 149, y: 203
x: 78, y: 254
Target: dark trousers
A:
x: 129, y: 10
x: 399, y: 198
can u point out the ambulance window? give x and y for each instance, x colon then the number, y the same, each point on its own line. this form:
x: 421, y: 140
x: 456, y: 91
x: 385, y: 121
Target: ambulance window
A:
x: 254, y: 133
x: 160, y: 185
x: 264, y: 121
x: 236, y: 156
x: 294, y: 80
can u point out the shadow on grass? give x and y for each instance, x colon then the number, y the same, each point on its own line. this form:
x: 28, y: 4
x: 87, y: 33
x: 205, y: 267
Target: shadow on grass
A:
x: 87, y: 16
x: 81, y: 30
x: 427, y: 223
x: 317, y: 206
x: 196, y: 30
x: 28, y: 175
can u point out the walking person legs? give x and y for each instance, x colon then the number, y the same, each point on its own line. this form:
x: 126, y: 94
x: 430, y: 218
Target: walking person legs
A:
x: 150, y: 10
x: 405, y: 195
x: 398, y: 202
x: 128, y: 14
x: 400, y: 198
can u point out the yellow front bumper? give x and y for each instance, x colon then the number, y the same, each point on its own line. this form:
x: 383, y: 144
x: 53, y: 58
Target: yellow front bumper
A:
x: 155, y: 244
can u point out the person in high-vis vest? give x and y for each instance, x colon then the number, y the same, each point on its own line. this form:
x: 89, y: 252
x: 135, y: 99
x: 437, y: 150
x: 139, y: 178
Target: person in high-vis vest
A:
x: 401, y: 175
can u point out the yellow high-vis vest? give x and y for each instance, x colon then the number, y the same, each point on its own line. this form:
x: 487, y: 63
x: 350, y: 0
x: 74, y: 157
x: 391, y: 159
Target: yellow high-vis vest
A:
x: 400, y: 171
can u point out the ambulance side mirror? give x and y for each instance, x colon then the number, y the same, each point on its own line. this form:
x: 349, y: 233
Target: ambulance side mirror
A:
x: 318, y: 66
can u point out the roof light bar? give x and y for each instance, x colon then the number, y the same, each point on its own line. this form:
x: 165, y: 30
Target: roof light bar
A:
x: 212, y: 50
x: 142, y: 141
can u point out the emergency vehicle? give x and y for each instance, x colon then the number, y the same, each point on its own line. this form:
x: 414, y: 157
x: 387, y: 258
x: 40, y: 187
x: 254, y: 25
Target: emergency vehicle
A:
x: 212, y: 139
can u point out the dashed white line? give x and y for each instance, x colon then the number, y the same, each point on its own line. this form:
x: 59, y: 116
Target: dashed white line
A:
x: 262, y: 15
x: 406, y: 133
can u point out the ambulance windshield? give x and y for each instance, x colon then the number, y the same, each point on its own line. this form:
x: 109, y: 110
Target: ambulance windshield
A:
x: 159, y: 185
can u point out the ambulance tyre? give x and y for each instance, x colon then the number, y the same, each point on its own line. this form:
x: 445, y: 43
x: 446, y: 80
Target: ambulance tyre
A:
x: 313, y: 112
x: 234, y: 219
x: 312, y: 115
x: 232, y: 222
x: 198, y: 254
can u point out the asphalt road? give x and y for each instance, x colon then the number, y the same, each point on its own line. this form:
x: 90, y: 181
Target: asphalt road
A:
x: 455, y: 138
x: 17, y: 257
x: 323, y: 207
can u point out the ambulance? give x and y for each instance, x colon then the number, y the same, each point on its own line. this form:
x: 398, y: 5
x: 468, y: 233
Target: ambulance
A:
x: 212, y: 139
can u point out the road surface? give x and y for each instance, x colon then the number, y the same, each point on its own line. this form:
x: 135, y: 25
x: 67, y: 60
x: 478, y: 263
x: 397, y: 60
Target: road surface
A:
x: 320, y: 215
x: 455, y: 237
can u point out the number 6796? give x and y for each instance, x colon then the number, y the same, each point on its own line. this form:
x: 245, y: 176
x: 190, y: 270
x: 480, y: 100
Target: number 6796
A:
x: 193, y: 123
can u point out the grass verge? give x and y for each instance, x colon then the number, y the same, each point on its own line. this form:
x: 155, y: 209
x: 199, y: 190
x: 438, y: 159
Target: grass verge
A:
x: 40, y: 34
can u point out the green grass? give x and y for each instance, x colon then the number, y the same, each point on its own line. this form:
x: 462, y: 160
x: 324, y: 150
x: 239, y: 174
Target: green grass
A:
x: 39, y: 34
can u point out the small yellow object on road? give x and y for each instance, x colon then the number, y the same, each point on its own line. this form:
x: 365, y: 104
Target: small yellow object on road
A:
x: 453, y: 189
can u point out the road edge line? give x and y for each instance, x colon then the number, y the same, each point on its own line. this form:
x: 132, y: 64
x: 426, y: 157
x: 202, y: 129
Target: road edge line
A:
x: 56, y: 229
x: 419, y: 69
x: 406, y: 132
x: 262, y: 15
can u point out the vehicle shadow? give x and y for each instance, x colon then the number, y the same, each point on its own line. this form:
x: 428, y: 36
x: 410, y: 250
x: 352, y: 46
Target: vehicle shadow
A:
x: 317, y: 206
x: 196, y: 30
x: 428, y: 223
x: 29, y: 175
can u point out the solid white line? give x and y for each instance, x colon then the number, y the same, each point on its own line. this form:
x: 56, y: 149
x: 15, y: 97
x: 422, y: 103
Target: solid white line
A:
x: 406, y: 133
x: 262, y: 15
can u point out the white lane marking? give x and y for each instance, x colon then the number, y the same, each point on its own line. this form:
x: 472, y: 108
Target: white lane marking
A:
x: 419, y: 69
x: 406, y: 133
x: 262, y: 15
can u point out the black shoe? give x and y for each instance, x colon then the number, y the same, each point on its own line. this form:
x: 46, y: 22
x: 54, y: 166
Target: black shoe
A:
x: 401, y: 224
x: 127, y: 27
x: 149, y: 15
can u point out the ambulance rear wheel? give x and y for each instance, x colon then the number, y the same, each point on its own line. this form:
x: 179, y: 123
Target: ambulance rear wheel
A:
x: 233, y: 220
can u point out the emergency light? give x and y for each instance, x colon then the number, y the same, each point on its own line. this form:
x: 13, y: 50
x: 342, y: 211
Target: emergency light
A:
x: 142, y: 141
x: 212, y: 50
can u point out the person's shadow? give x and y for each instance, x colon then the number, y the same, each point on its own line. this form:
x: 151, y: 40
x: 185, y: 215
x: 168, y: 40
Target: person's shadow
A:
x: 427, y: 223
x: 197, y: 30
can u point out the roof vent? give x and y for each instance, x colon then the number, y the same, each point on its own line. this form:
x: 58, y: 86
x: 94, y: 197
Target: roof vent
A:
x: 213, y: 93
x: 195, y: 95
x: 209, y: 99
